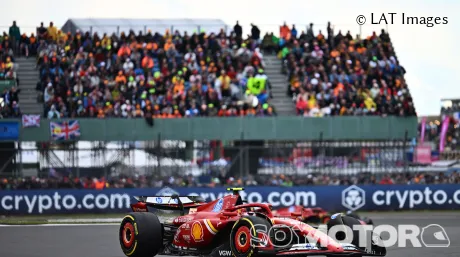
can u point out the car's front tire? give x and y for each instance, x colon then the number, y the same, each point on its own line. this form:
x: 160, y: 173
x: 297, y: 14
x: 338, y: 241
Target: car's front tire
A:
x: 141, y: 234
x: 243, y: 232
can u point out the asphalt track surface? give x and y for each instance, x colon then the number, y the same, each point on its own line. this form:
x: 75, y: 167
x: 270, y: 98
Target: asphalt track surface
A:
x: 102, y: 240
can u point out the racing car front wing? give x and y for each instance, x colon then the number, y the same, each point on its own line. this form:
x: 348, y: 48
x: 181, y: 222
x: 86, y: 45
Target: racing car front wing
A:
x: 310, y: 250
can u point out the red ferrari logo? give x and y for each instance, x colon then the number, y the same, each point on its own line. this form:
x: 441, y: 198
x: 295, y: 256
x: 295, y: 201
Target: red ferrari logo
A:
x: 197, y: 232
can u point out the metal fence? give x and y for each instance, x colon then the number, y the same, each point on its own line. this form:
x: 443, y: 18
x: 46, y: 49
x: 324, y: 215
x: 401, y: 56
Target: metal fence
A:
x: 179, y: 158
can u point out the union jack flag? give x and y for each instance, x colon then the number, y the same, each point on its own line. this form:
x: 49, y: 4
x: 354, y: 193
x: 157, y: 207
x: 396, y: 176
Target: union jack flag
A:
x: 65, y: 130
x: 30, y: 121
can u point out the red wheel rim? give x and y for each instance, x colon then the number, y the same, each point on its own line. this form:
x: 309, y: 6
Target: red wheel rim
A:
x: 242, y: 239
x: 128, y: 235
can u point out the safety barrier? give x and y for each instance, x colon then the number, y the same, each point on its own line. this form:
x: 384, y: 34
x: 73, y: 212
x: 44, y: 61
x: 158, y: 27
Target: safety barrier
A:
x: 367, y: 128
x: 331, y: 198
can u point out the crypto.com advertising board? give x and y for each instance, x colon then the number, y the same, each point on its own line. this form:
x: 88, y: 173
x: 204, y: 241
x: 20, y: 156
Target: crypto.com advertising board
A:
x: 331, y: 198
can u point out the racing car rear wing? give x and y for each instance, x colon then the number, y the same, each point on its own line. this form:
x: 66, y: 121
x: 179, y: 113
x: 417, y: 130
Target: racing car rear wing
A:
x: 173, y: 202
x: 174, y: 199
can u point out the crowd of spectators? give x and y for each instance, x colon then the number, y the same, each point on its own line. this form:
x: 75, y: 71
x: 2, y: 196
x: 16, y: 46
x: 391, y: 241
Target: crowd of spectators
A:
x: 10, y: 44
x: 213, y: 181
x: 432, y: 130
x: 155, y: 74
x: 336, y: 74
x: 450, y: 107
x: 9, y: 103
x: 433, y: 133
x: 452, y: 111
x: 453, y: 136
x: 173, y: 74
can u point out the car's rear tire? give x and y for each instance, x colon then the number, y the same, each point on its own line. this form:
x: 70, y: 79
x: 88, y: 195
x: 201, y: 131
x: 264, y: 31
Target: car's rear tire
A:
x: 345, y: 220
x: 141, y: 234
x: 242, y: 232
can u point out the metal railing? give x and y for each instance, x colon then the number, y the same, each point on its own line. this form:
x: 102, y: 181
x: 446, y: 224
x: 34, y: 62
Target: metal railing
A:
x: 177, y: 158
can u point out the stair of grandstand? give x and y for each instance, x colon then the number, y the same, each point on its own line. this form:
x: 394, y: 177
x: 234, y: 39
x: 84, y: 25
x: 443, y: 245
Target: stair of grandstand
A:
x: 281, y: 101
x: 28, y: 77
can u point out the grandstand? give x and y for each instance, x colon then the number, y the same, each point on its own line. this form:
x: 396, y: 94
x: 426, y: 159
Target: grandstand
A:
x: 172, y: 70
x: 439, y: 134
x: 312, y: 93
x: 336, y: 92
x: 450, y: 107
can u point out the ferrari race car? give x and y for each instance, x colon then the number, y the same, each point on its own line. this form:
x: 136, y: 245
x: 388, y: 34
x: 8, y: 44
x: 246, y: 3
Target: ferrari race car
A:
x: 228, y: 226
x: 307, y: 215
x: 315, y: 215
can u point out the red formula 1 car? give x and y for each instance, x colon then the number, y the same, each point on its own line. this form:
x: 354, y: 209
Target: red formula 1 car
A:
x: 228, y: 227
x: 307, y: 215
x: 315, y: 215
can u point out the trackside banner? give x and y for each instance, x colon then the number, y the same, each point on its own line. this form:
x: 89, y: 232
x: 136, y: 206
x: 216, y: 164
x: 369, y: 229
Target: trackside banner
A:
x: 331, y: 198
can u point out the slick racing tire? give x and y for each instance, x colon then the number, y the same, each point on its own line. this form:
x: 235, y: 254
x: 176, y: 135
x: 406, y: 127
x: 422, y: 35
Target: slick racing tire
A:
x: 244, y: 233
x: 141, y: 234
x: 342, y: 220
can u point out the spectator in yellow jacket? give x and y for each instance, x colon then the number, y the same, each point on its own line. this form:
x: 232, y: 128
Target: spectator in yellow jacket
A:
x: 369, y: 102
x: 52, y: 32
